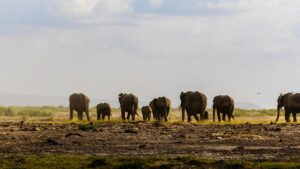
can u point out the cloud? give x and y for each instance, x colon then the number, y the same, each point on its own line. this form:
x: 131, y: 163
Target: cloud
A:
x: 84, y: 8
x: 254, y: 48
x: 155, y: 3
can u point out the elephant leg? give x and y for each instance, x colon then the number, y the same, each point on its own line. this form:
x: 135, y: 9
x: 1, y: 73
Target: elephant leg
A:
x: 287, y: 116
x: 79, y: 114
x: 71, y: 114
x: 103, y: 116
x: 219, y: 116
x: 128, y: 115
x: 224, y: 117
x: 87, y: 116
x: 196, y: 117
x: 294, y: 116
x: 122, y: 114
x: 166, y: 115
x: 229, y: 117
x: 189, y: 117
x: 98, y: 115
x: 201, y: 117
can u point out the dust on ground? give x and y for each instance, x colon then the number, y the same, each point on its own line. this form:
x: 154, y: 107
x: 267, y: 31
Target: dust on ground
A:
x: 254, y: 142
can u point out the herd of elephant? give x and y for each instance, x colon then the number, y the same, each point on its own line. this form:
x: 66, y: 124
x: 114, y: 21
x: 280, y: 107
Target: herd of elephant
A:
x: 193, y: 104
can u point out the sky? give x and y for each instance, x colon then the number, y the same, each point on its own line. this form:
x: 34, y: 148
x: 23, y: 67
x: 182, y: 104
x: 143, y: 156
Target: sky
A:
x: 248, y: 49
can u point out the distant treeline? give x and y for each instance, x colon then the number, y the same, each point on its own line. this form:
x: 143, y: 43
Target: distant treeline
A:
x: 48, y: 111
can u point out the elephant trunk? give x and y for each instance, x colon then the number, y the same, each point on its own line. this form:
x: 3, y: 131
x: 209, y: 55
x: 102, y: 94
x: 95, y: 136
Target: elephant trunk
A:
x: 278, y: 113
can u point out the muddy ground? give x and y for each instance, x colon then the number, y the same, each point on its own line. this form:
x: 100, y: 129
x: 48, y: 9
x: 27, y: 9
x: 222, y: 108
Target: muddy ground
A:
x: 254, y: 142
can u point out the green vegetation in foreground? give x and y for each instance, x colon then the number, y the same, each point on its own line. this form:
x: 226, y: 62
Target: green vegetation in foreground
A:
x: 63, y: 161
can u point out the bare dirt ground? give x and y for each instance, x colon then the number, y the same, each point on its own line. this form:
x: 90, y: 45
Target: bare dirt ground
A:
x: 253, y: 142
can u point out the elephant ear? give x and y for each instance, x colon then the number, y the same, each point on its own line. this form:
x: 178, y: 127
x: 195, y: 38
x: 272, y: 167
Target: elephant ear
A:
x: 120, y: 97
x: 154, y: 101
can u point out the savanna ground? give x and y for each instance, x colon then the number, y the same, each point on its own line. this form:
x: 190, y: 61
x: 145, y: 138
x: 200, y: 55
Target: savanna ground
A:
x: 43, y: 137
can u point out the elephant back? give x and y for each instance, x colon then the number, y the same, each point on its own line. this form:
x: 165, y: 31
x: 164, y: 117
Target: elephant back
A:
x: 146, y: 109
x: 102, y: 106
x: 162, y: 102
x: 223, y: 101
x: 294, y: 100
x: 128, y: 99
x: 79, y: 101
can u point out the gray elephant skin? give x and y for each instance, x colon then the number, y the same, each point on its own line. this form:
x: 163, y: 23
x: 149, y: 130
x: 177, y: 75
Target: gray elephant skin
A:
x: 291, y: 104
x: 80, y: 103
x: 146, y: 113
x: 223, y: 104
x: 193, y: 103
x: 162, y: 106
x: 103, y: 110
x: 129, y: 104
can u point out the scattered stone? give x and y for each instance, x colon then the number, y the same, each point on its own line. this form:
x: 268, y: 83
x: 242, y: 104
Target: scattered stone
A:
x: 36, y: 129
x: 132, y: 130
x: 272, y: 128
x: 142, y: 146
x: 51, y: 142
x: 239, y: 148
x: 15, y: 129
x: 98, y: 163
x: 73, y: 134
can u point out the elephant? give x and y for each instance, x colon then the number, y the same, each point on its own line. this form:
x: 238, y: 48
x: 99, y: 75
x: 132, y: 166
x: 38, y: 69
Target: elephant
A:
x: 223, y: 104
x: 146, y: 113
x: 103, y: 109
x: 291, y: 104
x: 154, y: 113
x: 80, y: 103
x: 162, y: 106
x: 129, y: 104
x: 193, y: 103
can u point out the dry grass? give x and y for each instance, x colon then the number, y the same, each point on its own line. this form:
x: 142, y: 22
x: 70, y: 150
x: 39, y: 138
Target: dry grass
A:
x: 241, y: 116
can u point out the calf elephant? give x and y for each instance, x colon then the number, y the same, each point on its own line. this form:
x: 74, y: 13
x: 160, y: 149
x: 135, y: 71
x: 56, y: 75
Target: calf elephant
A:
x: 291, y: 104
x: 223, y: 104
x: 80, y: 103
x: 103, y: 109
x: 162, y: 106
x: 129, y: 104
x: 193, y: 103
x: 146, y: 113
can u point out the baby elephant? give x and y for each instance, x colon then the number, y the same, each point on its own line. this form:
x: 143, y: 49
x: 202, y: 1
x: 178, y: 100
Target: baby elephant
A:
x: 146, y: 113
x: 103, y: 109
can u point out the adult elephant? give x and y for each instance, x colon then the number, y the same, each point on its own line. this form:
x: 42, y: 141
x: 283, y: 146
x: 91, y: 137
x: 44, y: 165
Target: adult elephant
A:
x: 291, y: 104
x: 129, y: 104
x: 154, y: 113
x: 162, y: 106
x: 80, y: 103
x: 193, y: 103
x: 103, y: 109
x: 223, y: 104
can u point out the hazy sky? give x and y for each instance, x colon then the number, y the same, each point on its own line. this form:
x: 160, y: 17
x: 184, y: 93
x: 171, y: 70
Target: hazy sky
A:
x: 151, y: 48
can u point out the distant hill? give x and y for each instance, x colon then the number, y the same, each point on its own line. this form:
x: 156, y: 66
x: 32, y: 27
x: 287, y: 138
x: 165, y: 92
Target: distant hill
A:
x: 7, y: 99
x: 248, y: 106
